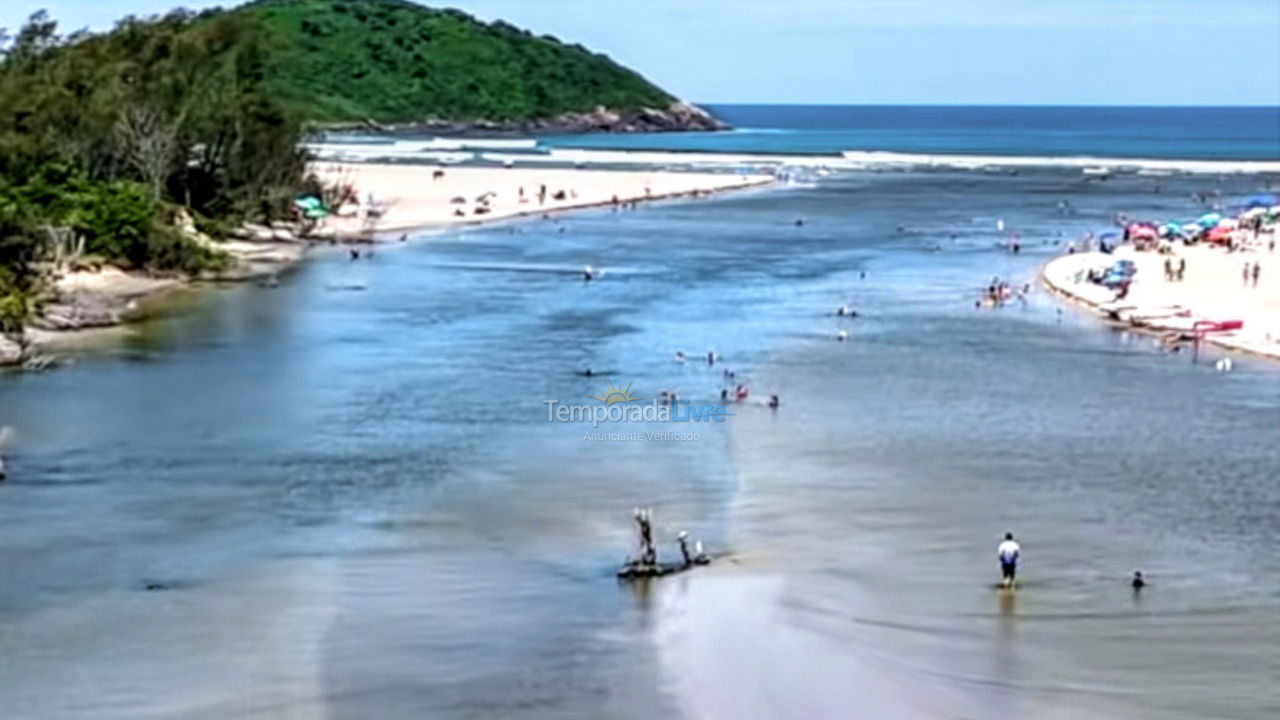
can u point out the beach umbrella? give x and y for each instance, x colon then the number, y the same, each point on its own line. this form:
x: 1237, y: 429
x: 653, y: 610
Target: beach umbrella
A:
x: 1219, y: 234
x: 1229, y: 223
x: 1139, y: 231
x: 1260, y: 201
x: 1209, y: 219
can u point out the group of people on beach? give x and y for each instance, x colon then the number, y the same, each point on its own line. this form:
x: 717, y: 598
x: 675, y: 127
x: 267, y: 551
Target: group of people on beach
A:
x: 1175, y: 272
x: 1251, y: 273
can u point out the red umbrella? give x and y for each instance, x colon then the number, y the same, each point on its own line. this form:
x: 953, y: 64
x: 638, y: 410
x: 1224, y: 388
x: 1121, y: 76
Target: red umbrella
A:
x: 1219, y: 234
x: 1138, y: 231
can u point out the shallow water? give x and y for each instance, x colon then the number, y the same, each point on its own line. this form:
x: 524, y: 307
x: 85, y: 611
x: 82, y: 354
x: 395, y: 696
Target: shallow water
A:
x: 349, y: 495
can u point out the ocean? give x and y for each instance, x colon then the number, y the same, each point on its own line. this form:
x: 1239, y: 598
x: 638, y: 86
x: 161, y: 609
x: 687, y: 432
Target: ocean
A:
x: 1249, y: 133
x: 348, y: 500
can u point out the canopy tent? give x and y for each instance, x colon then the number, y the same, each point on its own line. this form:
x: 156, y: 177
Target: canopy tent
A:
x: 311, y: 207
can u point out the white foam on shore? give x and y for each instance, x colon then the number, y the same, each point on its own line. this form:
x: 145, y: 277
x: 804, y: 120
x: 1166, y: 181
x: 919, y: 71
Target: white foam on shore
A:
x: 400, y: 150
x: 512, y: 151
x: 860, y: 159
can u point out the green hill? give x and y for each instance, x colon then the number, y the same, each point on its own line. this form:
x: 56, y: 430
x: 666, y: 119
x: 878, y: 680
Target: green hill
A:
x: 391, y: 61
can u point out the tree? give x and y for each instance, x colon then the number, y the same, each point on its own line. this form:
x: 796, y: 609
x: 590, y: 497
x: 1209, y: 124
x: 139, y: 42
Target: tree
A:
x: 150, y: 144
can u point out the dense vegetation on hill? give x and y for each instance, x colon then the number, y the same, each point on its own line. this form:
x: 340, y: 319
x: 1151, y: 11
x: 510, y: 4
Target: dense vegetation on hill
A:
x: 394, y: 61
x: 106, y: 139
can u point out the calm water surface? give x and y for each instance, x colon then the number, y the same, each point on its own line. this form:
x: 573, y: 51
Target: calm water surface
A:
x: 348, y: 486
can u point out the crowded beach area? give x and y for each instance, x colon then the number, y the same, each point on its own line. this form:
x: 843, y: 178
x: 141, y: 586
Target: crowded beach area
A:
x: 1211, y: 279
x: 379, y: 198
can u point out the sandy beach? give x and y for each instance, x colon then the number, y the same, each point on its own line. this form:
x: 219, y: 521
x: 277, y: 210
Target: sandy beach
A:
x: 406, y: 197
x: 1213, y: 289
x: 413, y: 196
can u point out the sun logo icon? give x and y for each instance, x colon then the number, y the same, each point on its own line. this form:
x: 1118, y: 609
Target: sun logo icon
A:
x: 614, y: 395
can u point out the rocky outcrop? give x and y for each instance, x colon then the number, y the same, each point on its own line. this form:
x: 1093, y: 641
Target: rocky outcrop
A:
x: 677, y: 117
x: 108, y: 296
x: 11, y: 351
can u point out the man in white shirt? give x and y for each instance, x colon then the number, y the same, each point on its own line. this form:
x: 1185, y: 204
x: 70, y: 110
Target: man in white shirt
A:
x: 1009, y: 552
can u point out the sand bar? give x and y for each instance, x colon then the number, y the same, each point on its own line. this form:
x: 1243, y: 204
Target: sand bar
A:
x: 416, y: 196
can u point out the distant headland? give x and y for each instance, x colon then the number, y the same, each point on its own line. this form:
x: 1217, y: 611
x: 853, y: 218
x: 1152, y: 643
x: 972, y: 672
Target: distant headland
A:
x: 388, y: 65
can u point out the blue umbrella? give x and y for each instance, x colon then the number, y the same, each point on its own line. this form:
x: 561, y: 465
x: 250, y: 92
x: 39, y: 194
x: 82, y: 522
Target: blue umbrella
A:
x: 1254, y: 201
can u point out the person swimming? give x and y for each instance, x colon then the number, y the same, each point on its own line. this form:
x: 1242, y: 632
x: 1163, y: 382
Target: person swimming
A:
x: 1138, y: 582
x: 588, y: 273
x: 681, y: 357
x: 774, y: 401
x: 846, y: 311
x: 587, y: 373
x: 711, y: 357
x: 842, y: 336
x: 1009, y: 552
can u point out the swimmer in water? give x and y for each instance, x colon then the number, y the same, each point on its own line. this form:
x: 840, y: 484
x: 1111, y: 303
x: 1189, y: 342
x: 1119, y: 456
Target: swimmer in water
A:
x: 711, y: 357
x: 587, y: 373
x: 842, y: 336
x: 1009, y: 552
x: 588, y: 273
x: 1138, y: 582
x: 774, y: 401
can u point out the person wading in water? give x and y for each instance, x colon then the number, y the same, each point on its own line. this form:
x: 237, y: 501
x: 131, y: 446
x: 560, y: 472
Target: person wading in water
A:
x: 1009, y: 553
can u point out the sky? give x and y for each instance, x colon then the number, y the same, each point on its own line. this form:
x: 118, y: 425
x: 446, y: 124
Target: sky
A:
x: 1000, y: 52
